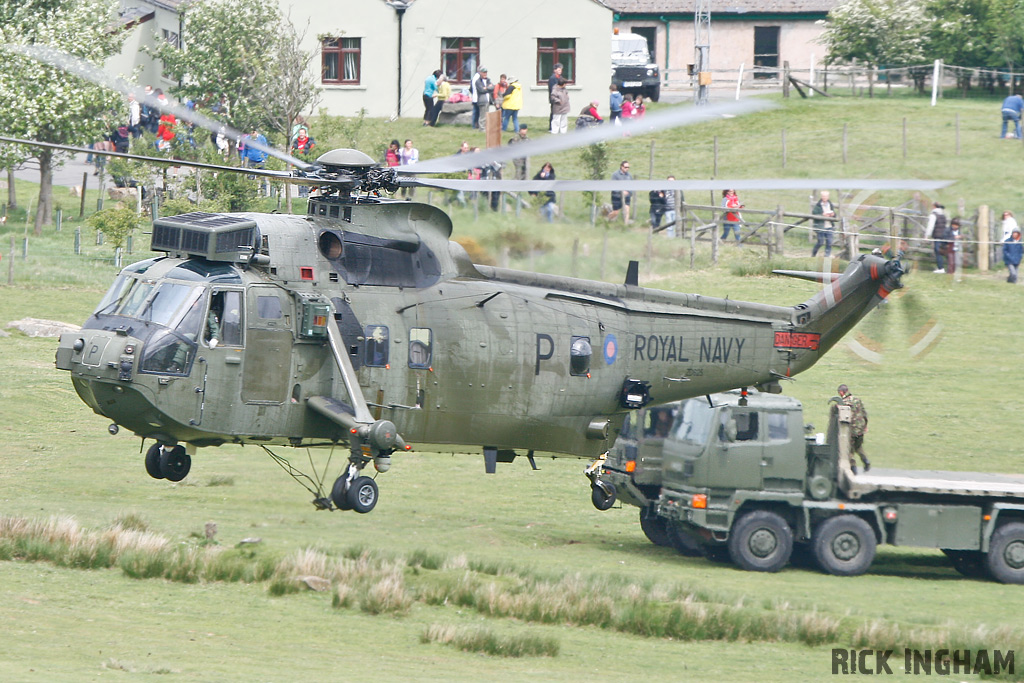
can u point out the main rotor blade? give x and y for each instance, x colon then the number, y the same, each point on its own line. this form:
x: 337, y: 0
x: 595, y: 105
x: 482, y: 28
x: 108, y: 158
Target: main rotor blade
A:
x: 670, y: 118
x: 92, y: 73
x: 685, y: 185
x: 266, y: 173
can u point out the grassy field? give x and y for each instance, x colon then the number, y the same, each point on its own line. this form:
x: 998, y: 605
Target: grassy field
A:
x: 449, y: 550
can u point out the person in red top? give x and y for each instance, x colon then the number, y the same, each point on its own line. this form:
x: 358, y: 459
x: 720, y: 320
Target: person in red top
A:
x: 165, y: 131
x: 627, y: 108
x: 303, y: 144
x: 391, y: 157
x: 732, y: 219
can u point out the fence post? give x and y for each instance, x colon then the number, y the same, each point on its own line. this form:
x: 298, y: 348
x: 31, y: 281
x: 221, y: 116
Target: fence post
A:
x: 24, y: 249
x: 78, y: 241
x: 117, y: 257
x: 58, y: 218
x: 894, y: 234
x: 128, y: 244
x: 780, y: 232
x: 785, y: 78
x: 984, y: 242
x: 85, y: 183
x: 693, y: 245
x: 575, y: 254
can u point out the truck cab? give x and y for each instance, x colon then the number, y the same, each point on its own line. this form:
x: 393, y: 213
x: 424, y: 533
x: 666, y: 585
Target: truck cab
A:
x: 633, y: 71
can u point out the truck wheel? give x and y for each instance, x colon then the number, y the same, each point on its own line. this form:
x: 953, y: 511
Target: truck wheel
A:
x: 685, y: 543
x: 654, y: 527
x: 761, y: 541
x: 1006, y: 553
x: 844, y: 545
x: 654, y: 94
x: 970, y: 563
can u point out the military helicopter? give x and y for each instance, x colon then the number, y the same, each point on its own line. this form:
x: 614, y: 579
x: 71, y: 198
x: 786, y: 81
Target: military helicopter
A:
x: 361, y: 325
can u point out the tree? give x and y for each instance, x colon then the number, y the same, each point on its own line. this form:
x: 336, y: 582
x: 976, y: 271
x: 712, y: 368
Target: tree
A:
x: 227, y: 44
x: 42, y: 102
x: 876, y: 32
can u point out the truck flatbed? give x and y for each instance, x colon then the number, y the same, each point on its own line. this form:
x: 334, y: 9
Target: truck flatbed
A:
x: 937, y: 481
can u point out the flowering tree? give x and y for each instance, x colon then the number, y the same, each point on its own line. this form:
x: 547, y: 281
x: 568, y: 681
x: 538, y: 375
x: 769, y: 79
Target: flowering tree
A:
x: 42, y: 102
x: 876, y: 32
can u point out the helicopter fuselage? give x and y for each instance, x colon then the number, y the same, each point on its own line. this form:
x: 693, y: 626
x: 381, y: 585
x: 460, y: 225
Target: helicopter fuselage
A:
x: 203, y: 347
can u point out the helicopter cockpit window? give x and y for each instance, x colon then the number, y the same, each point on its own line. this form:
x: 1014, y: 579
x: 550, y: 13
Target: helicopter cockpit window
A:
x: 658, y: 422
x: 579, y: 356
x: 269, y: 308
x: 420, y: 348
x: 168, y: 353
x: 376, y: 346
x: 693, y: 422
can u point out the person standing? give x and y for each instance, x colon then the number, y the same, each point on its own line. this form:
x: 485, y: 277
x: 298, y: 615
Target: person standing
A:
x: 1012, y: 108
x: 1009, y: 224
x: 480, y: 90
x: 858, y: 426
x: 670, y: 209
x: 1012, y: 252
x: 408, y: 156
x: 938, y: 232
x: 429, y: 90
x: 444, y: 91
x: 560, y: 108
x: 954, y: 251
x: 823, y: 230
x: 511, y: 103
x: 499, y: 90
x: 622, y: 199
x: 731, y: 219
x: 134, y: 116
x: 302, y: 147
x: 615, y: 105
x: 556, y: 73
x: 392, y: 156
x: 520, y: 164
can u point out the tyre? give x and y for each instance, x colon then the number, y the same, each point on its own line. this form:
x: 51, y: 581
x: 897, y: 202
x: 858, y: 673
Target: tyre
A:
x: 654, y: 93
x: 362, y: 495
x: 602, y: 500
x: 1006, y: 553
x: 338, y: 492
x: 153, y: 462
x: 683, y: 540
x: 970, y: 563
x: 654, y: 527
x: 761, y: 541
x: 844, y: 545
x: 175, y: 463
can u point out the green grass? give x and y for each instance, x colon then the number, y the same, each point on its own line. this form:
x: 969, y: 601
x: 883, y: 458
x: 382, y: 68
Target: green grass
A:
x: 224, y: 613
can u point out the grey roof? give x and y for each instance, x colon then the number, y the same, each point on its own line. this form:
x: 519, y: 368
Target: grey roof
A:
x: 726, y: 7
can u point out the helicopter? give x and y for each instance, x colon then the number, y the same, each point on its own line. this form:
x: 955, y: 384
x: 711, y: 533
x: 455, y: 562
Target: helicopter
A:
x: 362, y: 325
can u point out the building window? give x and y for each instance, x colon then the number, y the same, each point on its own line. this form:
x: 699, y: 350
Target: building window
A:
x: 551, y: 51
x: 341, y: 60
x: 460, y: 58
x: 171, y: 38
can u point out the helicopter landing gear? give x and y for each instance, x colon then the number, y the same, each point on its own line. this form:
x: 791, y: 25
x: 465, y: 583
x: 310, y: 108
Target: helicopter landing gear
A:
x: 352, y: 491
x: 168, y: 462
x: 602, y: 493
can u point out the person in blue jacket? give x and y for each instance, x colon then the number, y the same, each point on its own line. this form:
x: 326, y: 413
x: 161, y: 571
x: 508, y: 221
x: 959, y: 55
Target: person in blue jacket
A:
x: 1012, y: 108
x: 1013, y: 249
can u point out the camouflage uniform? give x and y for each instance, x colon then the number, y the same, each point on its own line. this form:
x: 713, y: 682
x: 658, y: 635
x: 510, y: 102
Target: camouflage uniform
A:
x: 858, y: 425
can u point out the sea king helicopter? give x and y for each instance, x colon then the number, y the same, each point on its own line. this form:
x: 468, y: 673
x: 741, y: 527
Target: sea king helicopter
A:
x: 361, y: 325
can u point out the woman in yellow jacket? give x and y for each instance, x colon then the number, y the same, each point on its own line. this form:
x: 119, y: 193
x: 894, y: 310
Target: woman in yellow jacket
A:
x: 511, y: 104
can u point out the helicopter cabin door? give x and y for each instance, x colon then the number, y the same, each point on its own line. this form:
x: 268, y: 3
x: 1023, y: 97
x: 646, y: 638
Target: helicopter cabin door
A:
x: 269, y: 338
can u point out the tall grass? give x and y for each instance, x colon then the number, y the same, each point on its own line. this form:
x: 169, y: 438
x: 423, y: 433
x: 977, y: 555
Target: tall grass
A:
x: 488, y: 642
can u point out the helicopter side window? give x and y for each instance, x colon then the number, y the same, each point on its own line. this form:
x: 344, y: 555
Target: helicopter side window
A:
x: 420, y: 348
x: 224, y: 321
x: 269, y: 308
x: 376, y: 346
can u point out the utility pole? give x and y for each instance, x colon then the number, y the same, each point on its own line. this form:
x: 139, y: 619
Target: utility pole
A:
x: 702, y: 50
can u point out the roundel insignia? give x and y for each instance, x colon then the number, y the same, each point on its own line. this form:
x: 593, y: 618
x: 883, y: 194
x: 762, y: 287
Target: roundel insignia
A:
x: 611, y: 349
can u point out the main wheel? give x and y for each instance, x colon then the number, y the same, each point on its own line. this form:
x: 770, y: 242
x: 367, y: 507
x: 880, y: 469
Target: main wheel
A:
x: 362, y: 495
x: 1006, y: 553
x: 654, y: 93
x: 338, y: 492
x: 844, y: 545
x: 654, y: 527
x: 602, y: 500
x: 970, y: 563
x: 153, y: 462
x: 761, y: 541
x: 175, y: 463
x: 683, y: 540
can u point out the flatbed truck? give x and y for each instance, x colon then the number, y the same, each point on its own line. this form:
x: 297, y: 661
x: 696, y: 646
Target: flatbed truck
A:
x: 740, y: 480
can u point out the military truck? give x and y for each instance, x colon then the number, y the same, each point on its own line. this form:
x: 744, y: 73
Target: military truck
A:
x: 741, y: 481
x: 633, y: 71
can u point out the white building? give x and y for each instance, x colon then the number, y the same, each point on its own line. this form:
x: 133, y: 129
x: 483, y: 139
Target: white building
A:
x: 376, y: 54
